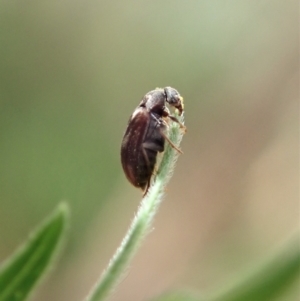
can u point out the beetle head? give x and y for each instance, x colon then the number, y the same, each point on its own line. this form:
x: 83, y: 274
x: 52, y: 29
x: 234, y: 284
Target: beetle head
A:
x: 174, y: 99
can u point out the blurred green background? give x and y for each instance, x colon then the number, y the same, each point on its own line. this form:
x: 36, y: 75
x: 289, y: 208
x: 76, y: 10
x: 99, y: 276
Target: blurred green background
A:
x: 71, y: 73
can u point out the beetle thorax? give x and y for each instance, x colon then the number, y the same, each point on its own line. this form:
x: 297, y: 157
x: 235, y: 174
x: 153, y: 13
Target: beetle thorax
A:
x: 155, y: 103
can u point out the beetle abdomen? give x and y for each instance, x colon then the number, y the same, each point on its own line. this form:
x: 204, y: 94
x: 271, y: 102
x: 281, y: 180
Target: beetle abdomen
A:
x: 139, y: 163
x: 142, y: 141
x: 145, y: 168
x: 131, y: 150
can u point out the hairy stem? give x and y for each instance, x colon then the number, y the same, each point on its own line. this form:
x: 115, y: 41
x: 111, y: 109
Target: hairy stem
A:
x: 142, y: 221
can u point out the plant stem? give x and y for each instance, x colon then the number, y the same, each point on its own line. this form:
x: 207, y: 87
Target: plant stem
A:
x: 142, y: 221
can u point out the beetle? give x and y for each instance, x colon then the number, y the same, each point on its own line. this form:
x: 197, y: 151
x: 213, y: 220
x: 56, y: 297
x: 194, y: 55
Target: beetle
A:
x: 145, y: 135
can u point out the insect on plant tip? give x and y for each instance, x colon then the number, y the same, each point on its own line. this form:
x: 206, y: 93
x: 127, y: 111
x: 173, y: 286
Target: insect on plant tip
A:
x: 146, y: 134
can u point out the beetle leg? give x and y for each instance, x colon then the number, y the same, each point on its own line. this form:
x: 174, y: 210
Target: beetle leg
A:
x: 152, y: 147
x: 171, y: 143
x: 147, y: 188
x: 148, y: 167
x: 163, y: 123
x: 146, y: 157
x: 155, y: 170
x: 173, y: 118
x: 166, y: 113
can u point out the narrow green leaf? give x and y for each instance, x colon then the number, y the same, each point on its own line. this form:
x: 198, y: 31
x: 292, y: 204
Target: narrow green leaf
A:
x: 269, y: 281
x: 23, y: 270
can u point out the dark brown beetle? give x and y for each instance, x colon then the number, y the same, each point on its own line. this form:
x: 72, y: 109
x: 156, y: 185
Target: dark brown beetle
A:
x: 145, y: 135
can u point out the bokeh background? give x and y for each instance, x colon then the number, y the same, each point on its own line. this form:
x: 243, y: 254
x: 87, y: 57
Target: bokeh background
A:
x: 72, y: 72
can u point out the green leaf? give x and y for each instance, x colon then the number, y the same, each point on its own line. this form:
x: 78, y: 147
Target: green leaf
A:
x: 23, y: 270
x: 269, y: 281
